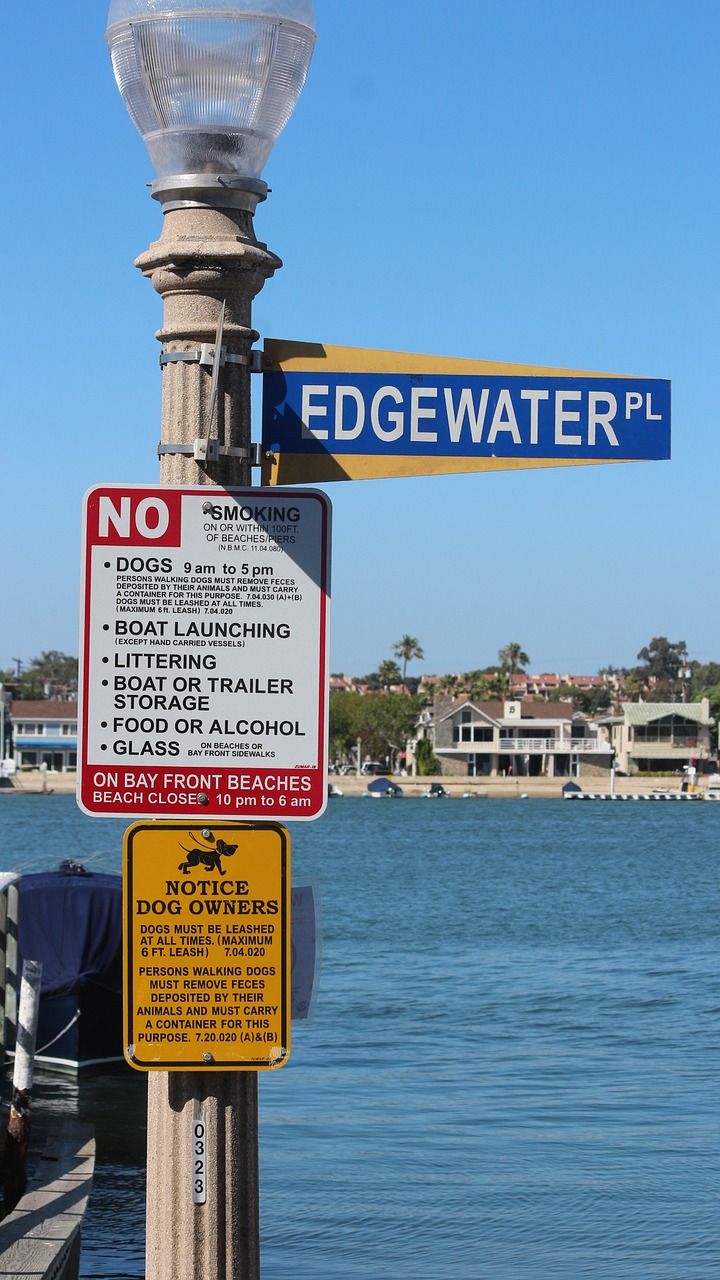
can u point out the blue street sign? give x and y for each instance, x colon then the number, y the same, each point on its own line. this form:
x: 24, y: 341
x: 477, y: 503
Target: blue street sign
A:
x: 341, y: 413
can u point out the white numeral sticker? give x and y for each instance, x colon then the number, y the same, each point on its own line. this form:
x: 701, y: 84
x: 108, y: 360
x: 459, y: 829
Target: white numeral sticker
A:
x: 199, y: 1167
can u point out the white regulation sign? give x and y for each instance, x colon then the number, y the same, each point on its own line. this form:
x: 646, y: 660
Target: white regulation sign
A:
x: 203, y: 682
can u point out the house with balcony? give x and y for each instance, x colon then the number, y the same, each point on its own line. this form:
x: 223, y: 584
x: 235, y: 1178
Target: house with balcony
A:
x: 45, y: 734
x: 661, y: 737
x: 518, y: 737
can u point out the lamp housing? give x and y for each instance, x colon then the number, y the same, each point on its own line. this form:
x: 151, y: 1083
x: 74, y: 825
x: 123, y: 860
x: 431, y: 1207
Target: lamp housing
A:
x: 210, y: 85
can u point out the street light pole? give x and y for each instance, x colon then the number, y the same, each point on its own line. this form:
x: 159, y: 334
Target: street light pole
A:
x: 209, y: 84
x: 206, y: 257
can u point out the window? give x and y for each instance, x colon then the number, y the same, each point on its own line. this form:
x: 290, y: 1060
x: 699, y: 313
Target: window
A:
x: 675, y: 730
x: 472, y: 733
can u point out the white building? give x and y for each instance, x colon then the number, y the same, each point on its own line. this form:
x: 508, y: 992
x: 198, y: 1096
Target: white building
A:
x: 661, y: 737
x: 45, y: 733
x: 519, y: 737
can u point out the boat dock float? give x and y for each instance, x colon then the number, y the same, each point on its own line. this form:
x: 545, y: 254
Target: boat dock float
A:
x: 641, y: 795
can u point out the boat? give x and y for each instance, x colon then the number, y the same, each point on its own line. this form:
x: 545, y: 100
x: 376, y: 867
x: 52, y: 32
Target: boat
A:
x: 71, y: 920
x: 384, y: 787
x: 436, y: 791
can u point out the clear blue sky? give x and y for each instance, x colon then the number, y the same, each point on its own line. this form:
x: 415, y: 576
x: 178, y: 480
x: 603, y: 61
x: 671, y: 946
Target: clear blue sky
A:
x: 512, y: 180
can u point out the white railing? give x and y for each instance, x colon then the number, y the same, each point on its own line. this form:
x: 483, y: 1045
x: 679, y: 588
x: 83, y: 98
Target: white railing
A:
x: 584, y: 745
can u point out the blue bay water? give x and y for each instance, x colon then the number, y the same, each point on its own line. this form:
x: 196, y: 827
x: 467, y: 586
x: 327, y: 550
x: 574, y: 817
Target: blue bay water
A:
x: 512, y: 1070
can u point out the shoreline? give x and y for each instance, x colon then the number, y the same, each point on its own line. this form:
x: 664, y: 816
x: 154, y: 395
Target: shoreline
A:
x: 350, y: 785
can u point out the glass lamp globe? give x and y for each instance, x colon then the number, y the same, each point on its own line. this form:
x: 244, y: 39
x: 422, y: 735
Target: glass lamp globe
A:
x: 210, y: 85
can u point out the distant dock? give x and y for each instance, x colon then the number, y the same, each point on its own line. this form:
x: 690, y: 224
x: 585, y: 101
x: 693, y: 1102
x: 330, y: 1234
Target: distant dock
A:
x: 638, y: 795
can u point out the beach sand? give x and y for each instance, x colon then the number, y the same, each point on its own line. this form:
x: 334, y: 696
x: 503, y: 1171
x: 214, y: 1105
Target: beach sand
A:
x: 492, y: 788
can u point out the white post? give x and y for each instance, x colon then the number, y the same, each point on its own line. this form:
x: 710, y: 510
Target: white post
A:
x: 27, y: 1026
x: 18, y: 1134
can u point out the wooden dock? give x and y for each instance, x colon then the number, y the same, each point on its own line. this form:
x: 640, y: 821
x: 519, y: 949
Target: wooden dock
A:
x: 40, y: 1239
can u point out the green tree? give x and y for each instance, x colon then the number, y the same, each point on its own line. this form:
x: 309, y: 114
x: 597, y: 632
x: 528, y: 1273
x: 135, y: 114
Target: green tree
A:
x: 385, y: 723
x: 705, y: 676
x: 407, y: 649
x: 343, y: 728
x: 481, y: 686
x: 634, y: 685
x: 513, y: 658
x: 662, y: 659
x: 589, y: 701
x: 52, y: 675
x: 426, y: 761
x: 371, y: 681
x: 389, y: 673
x: 382, y: 722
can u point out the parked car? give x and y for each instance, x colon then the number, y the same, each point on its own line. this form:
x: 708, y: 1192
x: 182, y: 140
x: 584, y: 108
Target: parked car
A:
x: 373, y: 768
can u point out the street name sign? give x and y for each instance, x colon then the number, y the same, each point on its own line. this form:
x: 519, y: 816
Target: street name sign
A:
x: 206, y: 946
x: 343, y: 413
x: 204, y: 668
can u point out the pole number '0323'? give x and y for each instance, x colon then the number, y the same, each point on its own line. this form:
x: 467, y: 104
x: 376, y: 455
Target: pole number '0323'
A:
x: 199, y: 1167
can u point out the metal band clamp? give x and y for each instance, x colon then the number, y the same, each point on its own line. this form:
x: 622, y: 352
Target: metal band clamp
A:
x: 206, y: 357
x: 211, y: 450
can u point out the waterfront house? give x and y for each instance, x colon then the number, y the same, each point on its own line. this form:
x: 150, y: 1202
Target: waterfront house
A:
x: 45, y: 733
x: 661, y: 737
x: 520, y: 737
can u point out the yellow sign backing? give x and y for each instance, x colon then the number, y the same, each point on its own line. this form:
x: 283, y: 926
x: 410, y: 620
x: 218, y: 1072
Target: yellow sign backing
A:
x: 207, y: 946
x: 346, y: 413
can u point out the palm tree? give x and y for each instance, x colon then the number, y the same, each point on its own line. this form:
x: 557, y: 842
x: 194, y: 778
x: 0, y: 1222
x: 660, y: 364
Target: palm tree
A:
x: 388, y: 673
x: 407, y: 649
x: 513, y: 658
x: 479, y: 684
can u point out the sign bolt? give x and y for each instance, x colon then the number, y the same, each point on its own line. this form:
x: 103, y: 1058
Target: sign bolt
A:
x: 207, y: 1057
x: 203, y: 799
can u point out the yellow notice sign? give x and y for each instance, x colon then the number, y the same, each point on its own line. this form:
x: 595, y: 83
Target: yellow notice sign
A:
x: 207, y: 946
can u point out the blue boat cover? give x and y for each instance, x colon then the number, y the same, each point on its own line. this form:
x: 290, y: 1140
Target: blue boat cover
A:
x: 384, y: 786
x: 71, y: 920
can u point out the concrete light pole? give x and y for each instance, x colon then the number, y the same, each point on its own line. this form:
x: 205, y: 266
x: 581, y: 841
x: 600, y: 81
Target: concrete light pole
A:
x: 209, y: 84
x: 207, y: 259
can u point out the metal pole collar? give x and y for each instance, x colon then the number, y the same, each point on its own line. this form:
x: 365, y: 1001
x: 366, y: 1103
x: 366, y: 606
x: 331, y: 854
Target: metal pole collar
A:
x: 209, y: 191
